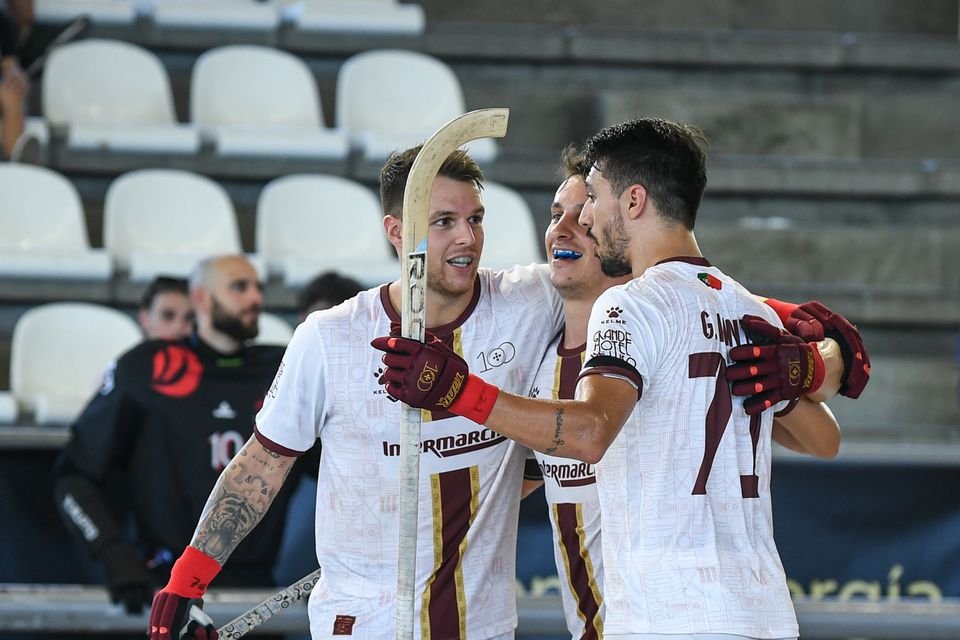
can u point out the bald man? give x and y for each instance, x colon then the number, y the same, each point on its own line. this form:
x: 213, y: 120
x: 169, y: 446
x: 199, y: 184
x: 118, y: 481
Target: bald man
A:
x: 169, y: 417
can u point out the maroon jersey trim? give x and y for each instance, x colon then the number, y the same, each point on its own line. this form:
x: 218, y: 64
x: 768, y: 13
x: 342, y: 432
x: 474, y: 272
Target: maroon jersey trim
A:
x: 697, y: 260
x: 270, y: 445
x: 442, y: 330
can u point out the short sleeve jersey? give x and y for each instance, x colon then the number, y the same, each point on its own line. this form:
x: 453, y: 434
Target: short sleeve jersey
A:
x: 470, y: 477
x: 571, y: 493
x: 684, y: 488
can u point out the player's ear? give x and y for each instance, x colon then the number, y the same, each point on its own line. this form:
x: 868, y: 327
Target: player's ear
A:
x: 393, y: 227
x: 198, y: 298
x: 636, y: 200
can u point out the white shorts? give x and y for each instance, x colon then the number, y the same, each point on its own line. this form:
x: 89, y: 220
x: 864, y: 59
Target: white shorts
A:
x: 682, y: 636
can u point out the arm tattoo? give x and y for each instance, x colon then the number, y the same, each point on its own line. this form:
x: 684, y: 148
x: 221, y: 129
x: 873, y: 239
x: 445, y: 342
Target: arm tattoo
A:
x: 239, y: 501
x: 557, y: 440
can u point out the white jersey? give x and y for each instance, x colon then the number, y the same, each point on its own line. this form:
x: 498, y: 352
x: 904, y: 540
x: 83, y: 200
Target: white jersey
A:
x: 571, y: 493
x: 470, y: 477
x: 685, y: 487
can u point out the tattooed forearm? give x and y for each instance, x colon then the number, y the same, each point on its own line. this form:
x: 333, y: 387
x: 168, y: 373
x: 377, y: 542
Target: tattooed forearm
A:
x: 557, y: 440
x: 239, y: 500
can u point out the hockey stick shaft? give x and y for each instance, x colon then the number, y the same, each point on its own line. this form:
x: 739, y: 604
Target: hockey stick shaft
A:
x: 275, y: 604
x: 484, y: 123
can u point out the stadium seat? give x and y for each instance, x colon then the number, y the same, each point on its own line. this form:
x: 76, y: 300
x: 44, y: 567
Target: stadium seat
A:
x: 216, y: 14
x: 274, y: 330
x: 307, y: 224
x: 8, y: 408
x: 255, y: 100
x: 101, y: 11
x: 510, y: 235
x: 59, y: 353
x: 42, y: 229
x: 360, y: 16
x: 113, y: 95
x: 162, y: 221
x: 389, y: 99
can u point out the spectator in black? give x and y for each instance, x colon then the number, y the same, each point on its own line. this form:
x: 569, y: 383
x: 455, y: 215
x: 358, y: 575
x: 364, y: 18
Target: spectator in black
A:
x: 326, y: 290
x: 165, y: 312
x: 167, y: 420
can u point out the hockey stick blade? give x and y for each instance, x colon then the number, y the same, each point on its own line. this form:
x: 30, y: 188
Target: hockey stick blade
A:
x: 484, y: 123
x: 275, y: 604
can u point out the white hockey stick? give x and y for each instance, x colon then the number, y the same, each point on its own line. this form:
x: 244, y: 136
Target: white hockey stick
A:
x: 485, y: 123
x: 277, y: 603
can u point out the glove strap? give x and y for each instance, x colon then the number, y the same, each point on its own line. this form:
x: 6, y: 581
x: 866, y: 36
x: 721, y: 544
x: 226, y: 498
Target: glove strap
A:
x: 819, y: 369
x: 191, y: 573
x: 476, y: 400
x: 783, y: 309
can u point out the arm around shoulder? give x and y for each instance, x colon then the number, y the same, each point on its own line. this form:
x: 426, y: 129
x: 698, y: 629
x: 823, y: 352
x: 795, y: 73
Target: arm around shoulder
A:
x: 809, y: 428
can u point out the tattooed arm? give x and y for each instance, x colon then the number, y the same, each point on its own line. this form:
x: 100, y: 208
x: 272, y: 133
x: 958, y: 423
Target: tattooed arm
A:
x: 581, y: 429
x: 239, y: 500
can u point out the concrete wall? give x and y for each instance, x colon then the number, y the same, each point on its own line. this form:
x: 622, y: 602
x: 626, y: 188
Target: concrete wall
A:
x: 935, y: 17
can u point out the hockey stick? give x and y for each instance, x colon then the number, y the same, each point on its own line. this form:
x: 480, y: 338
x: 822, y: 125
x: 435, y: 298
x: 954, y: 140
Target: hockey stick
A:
x: 71, y: 32
x: 277, y: 603
x: 484, y: 123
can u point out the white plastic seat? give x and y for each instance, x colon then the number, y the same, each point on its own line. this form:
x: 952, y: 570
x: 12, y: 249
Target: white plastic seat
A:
x: 274, y: 330
x: 307, y: 224
x: 216, y: 14
x: 360, y: 16
x: 42, y: 228
x: 8, y: 408
x: 162, y: 221
x: 509, y: 233
x: 102, y: 11
x: 59, y: 353
x: 390, y: 100
x: 113, y: 95
x: 279, y: 114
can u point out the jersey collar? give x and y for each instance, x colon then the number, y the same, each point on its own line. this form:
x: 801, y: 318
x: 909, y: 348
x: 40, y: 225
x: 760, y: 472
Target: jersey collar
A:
x: 442, y: 330
x: 697, y: 260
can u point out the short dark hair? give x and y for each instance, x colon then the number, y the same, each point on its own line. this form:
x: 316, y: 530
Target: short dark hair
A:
x: 667, y: 158
x: 573, y: 162
x: 393, y: 177
x: 329, y: 286
x: 162, y: 284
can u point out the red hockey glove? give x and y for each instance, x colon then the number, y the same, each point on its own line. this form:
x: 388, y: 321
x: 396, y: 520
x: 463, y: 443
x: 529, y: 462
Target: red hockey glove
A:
x: 777, y: 366
x: 813, y: 321
x: 856, y: 362
x: 177, y: 610
x: 432, y: 376
x: 797, y: 320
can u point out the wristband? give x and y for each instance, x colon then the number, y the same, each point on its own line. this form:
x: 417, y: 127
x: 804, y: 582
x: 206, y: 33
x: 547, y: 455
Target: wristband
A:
x: 476, y: 400
x: 191, y: 573
x: 783, y: 309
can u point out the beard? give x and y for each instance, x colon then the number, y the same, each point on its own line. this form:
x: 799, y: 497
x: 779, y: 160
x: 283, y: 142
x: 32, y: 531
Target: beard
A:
x: 612, y: 249
x: 231, y: 324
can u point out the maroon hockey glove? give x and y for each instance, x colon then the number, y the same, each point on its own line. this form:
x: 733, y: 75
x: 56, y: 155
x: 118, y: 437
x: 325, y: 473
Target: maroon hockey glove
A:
x: 797, y: 320
x: 432, y: 376
x: 856, y: 362
x: 777, y: 366
x: 177, y: 610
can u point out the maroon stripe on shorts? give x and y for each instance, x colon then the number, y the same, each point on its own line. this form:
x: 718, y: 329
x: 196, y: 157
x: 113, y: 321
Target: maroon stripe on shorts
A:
x: 455, y: 498
x: 568, y: 526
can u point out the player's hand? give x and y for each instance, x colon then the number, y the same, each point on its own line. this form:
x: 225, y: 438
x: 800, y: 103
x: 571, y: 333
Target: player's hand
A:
x: 432, y: 376
x: 177, y: 610
x: 777, y: 366
x: 856, y: 362
x: 174, y: 617
x: 126, y: 577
